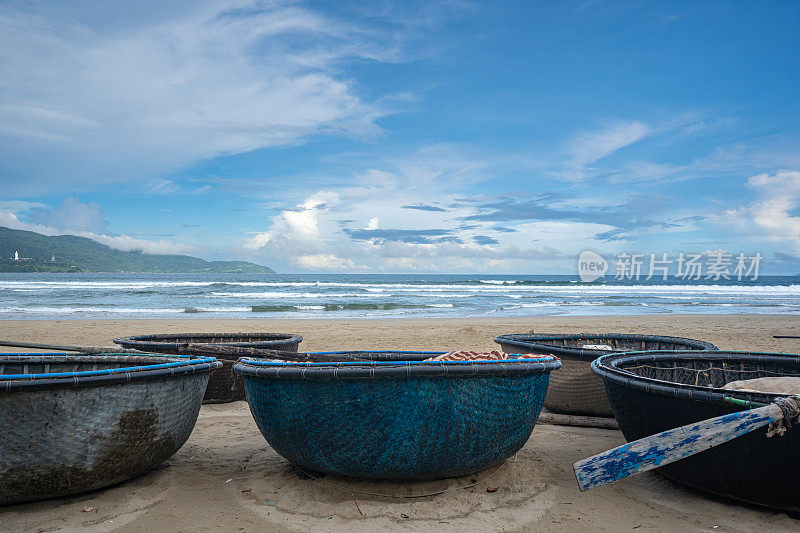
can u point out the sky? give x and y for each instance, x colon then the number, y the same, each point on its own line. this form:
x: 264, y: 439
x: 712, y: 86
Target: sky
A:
x: 452, y: 136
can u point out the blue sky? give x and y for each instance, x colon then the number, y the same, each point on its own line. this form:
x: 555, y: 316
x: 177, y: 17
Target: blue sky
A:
x: 405, y: 137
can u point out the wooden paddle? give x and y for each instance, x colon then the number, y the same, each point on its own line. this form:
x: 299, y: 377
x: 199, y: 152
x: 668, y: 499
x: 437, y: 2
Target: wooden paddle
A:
x: 221, y: 350
x: 675, y: 444
x: 57, y: 347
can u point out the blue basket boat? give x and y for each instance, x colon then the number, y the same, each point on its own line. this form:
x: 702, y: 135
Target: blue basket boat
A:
x: 396, y: 416
x: 73, y: 423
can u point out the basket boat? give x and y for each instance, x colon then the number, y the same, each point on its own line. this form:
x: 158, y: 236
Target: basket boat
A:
x: 223, y: 385
x: 396, y: 416
x: 652, y: 392
x: 73, y: 423
x: 575, y: 389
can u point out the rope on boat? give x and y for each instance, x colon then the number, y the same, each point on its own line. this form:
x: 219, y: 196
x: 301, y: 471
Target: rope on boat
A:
x: 791, y: 412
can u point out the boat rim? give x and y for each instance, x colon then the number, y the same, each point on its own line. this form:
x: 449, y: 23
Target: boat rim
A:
x: 397, y: 368
x: 160, y: 339
x: 608, y: 367
x: 176, y: 365
x: 536, y: 341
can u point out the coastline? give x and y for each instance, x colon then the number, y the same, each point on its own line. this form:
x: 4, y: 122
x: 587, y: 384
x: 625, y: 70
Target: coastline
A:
x: 227, y: 478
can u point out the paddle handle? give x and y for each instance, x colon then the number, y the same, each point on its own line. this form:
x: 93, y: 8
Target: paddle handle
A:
x: 670, y: 446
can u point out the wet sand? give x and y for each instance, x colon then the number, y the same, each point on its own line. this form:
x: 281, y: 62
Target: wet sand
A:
x: 226, y: 477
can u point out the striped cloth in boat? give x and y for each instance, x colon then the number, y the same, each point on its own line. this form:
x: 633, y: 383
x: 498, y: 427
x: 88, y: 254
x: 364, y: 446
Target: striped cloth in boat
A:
x: 476, y: 356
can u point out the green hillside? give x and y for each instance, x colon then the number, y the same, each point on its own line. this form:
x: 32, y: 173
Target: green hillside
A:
x: 79, y: 254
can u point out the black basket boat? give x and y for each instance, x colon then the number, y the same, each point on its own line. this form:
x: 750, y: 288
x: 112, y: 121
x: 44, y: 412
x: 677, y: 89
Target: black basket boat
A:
x: 224, y: 385
x: 651, y: 392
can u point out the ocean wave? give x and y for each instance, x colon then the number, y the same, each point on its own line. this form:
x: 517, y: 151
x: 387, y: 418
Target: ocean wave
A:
x: 476, y: 287
x: 271, y: 308
x: 439, y: 295
x: 67, y: 310
x: 277, y: 294
x: 102, y: 285
x: 193, y: 296
x: 216, y: 309
x: 550, y: 303
x: 342, y: 307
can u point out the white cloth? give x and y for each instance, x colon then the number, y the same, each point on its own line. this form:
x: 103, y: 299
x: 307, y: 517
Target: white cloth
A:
x: 776, y: 385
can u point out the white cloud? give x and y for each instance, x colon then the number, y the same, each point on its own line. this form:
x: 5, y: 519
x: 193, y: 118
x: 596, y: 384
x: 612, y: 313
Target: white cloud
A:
x: 326, y: 231
x: 295, y: 225
x: 770, y: 214
x: 785, y: 181
x: 590, y: 147
x: 16, y: 206
x: 213, y: 79
x: 378, y: 178
x: 163, y: 187
x: 780, y: 194
x: 71, y: 215
x: 327, y: 262
x: 302, y: 224
x: 129, y: 244
x: 443, y: 164
x: 9, y: 219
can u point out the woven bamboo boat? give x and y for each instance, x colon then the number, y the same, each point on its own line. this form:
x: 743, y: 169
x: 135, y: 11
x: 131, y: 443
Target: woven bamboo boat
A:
x: 396, y: 416
x: 575, y: 389
x: 652, y: 392
x: 224, y: 385
x: 73, y: 423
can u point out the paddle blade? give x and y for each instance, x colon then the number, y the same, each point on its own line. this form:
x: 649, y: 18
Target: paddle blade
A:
x: 670, y: 446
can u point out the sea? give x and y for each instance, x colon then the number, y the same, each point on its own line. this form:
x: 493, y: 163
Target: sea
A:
x: 75, y: 296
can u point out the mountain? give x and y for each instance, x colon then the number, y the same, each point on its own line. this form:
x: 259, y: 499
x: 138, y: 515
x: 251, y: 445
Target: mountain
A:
x: 79, y: 254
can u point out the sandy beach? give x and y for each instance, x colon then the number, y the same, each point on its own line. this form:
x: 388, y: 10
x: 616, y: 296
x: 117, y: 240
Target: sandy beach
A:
x: 226, y: 477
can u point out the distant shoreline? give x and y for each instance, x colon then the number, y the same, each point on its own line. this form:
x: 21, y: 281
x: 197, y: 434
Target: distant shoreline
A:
x: 30, y: 252
x: 128, y: 272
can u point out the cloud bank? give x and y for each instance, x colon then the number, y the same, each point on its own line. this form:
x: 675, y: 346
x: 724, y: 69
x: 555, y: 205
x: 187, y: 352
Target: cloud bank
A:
x: 773, y: 214
x: 203, y: 80
x: 73, y: 217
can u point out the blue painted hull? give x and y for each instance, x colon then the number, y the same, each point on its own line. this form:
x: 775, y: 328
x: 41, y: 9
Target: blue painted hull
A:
x: 407, y: 428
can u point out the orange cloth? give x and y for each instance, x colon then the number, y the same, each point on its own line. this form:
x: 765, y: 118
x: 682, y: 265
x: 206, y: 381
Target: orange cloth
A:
x: 476, y: 356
